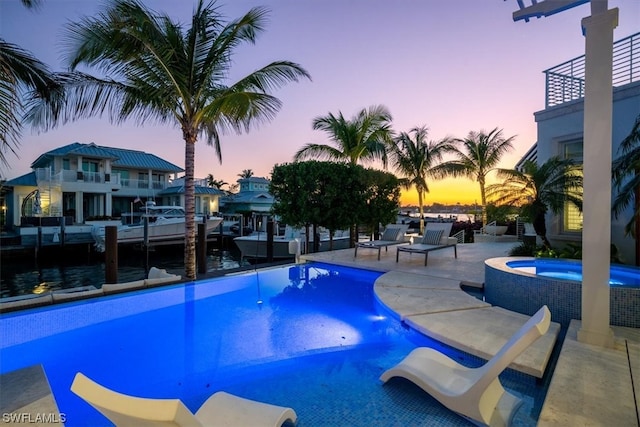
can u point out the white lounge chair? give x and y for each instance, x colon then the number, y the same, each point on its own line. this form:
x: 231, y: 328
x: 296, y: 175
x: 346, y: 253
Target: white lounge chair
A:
x: 392, y: 235
x: 221, y: 409
x: 475, y: 393
x: 435, y: 237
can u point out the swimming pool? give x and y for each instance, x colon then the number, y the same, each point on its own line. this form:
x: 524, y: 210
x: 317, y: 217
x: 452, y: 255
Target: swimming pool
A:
x: 523, y: 284
x: 311, y: 337
x: 572, y: 270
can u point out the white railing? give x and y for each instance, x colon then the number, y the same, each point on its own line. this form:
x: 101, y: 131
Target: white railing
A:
x: 143, y: 184
x: 46, y: 175
x: 565, y: 82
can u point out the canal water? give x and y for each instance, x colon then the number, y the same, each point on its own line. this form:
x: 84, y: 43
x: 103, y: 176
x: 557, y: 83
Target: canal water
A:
x: 53, y: 270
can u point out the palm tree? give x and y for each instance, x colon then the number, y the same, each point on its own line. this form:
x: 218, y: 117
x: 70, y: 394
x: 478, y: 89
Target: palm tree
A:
x: 20, y: 70
x: 159, y: 70
x: 365, y: 137
x: 32, y: 4
x: 628, y: 190
x: 215, y: 183
x: 480, y: 154
x: 539, y: 189
x: 246, y: 173
x: 418, y: 159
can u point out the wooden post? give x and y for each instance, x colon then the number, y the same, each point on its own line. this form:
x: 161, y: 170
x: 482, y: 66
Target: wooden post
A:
x: 62, y: 230
x: 221, y: 237
x: 201, y: 249
x: 111, y: 254
x: 270, y: 240
x: 145, y: 243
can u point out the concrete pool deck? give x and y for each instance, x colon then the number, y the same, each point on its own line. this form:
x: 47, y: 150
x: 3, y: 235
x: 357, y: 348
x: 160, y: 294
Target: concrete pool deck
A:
x: 590, y: 385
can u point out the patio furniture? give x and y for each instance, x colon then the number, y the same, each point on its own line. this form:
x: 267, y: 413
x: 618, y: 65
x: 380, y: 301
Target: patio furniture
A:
x: 436, y: 237
x: 392, y: 235
x: 221, y: 409
x: 474, y: 393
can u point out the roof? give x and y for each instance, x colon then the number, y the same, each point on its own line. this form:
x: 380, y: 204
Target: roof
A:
x: 179, y: 189
x: 121, y: 157
x: 250, y: 197
x: 255, y: 179
x: 28, y: 179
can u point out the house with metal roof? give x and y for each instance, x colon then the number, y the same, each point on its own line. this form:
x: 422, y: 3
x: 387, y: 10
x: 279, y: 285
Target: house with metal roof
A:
x: 80, y: 181
x: 253, y: 197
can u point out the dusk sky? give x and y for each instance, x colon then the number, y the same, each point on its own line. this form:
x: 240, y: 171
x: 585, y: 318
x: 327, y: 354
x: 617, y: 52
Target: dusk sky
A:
x: 451, y: 65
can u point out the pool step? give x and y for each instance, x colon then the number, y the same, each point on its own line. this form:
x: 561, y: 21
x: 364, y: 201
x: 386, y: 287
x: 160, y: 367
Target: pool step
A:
x: 438, y: 308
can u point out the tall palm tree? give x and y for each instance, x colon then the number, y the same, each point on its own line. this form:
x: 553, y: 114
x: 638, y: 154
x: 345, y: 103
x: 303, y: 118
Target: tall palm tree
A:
x: 365, y: 137
x: 626, y: 178
x: 22, y: 78
x: 539, y: 189
x: 479, y: 154
x: 417, y: 159
x: 159, y: 70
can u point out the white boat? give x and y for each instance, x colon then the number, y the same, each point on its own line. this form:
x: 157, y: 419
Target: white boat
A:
x: 166, y: 223
x: 255, y: 244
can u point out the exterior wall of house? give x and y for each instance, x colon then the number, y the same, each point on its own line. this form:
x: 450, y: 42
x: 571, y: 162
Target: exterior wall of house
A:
x: 564, y: 123
x: 68, y: 188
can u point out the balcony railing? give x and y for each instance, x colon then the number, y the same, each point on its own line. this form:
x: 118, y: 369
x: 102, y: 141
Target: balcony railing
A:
x: 46, y: 175
x: 565, y: 82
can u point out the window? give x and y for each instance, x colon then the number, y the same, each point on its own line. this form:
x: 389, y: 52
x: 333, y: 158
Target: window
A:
x: 89, y: 166
x: 572, y: 217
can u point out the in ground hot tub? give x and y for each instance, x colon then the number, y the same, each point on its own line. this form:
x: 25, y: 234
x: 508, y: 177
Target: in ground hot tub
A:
x: 525, y: 284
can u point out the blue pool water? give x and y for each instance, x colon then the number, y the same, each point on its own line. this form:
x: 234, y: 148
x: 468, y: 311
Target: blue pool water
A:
x: 311, y: 337
x: 572, y: 270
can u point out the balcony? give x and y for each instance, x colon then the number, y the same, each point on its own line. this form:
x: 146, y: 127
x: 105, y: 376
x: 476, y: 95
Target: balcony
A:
x: 114, y: 179
x: 565, y: 82
x: 46, y: 175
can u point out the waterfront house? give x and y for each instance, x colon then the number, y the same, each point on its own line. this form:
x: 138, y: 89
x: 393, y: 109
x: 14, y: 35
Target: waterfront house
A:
x: 253, y: 197
x: 82, y: 181
x: 253, y: 201
x: 560, y: 130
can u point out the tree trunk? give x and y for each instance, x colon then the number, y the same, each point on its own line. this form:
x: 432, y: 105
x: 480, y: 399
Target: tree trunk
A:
x: 483, y: 200
x: 421, y: 212
x: 189, y: 205
x: 540, y: 225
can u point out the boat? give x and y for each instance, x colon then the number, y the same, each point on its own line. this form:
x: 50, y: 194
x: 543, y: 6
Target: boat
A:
x: 166, y: 224
x: 255, y: 245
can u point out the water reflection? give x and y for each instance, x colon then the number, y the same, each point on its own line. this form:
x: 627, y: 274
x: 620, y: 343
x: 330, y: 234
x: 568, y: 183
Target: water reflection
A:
x: 26, y: 275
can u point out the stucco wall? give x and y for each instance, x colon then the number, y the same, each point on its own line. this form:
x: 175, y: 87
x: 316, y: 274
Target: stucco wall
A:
x: 564, y: 123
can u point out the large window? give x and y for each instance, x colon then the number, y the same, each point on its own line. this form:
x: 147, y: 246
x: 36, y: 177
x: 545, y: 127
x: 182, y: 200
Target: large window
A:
x: 572, y: 220
x: 89, y: 166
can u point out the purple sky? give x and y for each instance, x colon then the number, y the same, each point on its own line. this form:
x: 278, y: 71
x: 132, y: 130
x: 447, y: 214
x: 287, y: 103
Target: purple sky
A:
x: 452, y: 65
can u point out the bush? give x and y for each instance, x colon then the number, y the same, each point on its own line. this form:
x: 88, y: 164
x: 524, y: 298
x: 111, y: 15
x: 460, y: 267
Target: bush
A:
x: 569, y: 251
x: 524, y: 249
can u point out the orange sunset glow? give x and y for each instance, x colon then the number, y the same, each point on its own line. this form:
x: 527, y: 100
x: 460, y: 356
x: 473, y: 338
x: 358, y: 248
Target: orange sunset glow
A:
x: 446, y: 191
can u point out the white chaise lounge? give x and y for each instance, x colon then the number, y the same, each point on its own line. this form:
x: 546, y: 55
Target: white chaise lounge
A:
x: 393, y: 235
x: 221, y: 409
x: 474, y: 393
x: 435, y: 237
